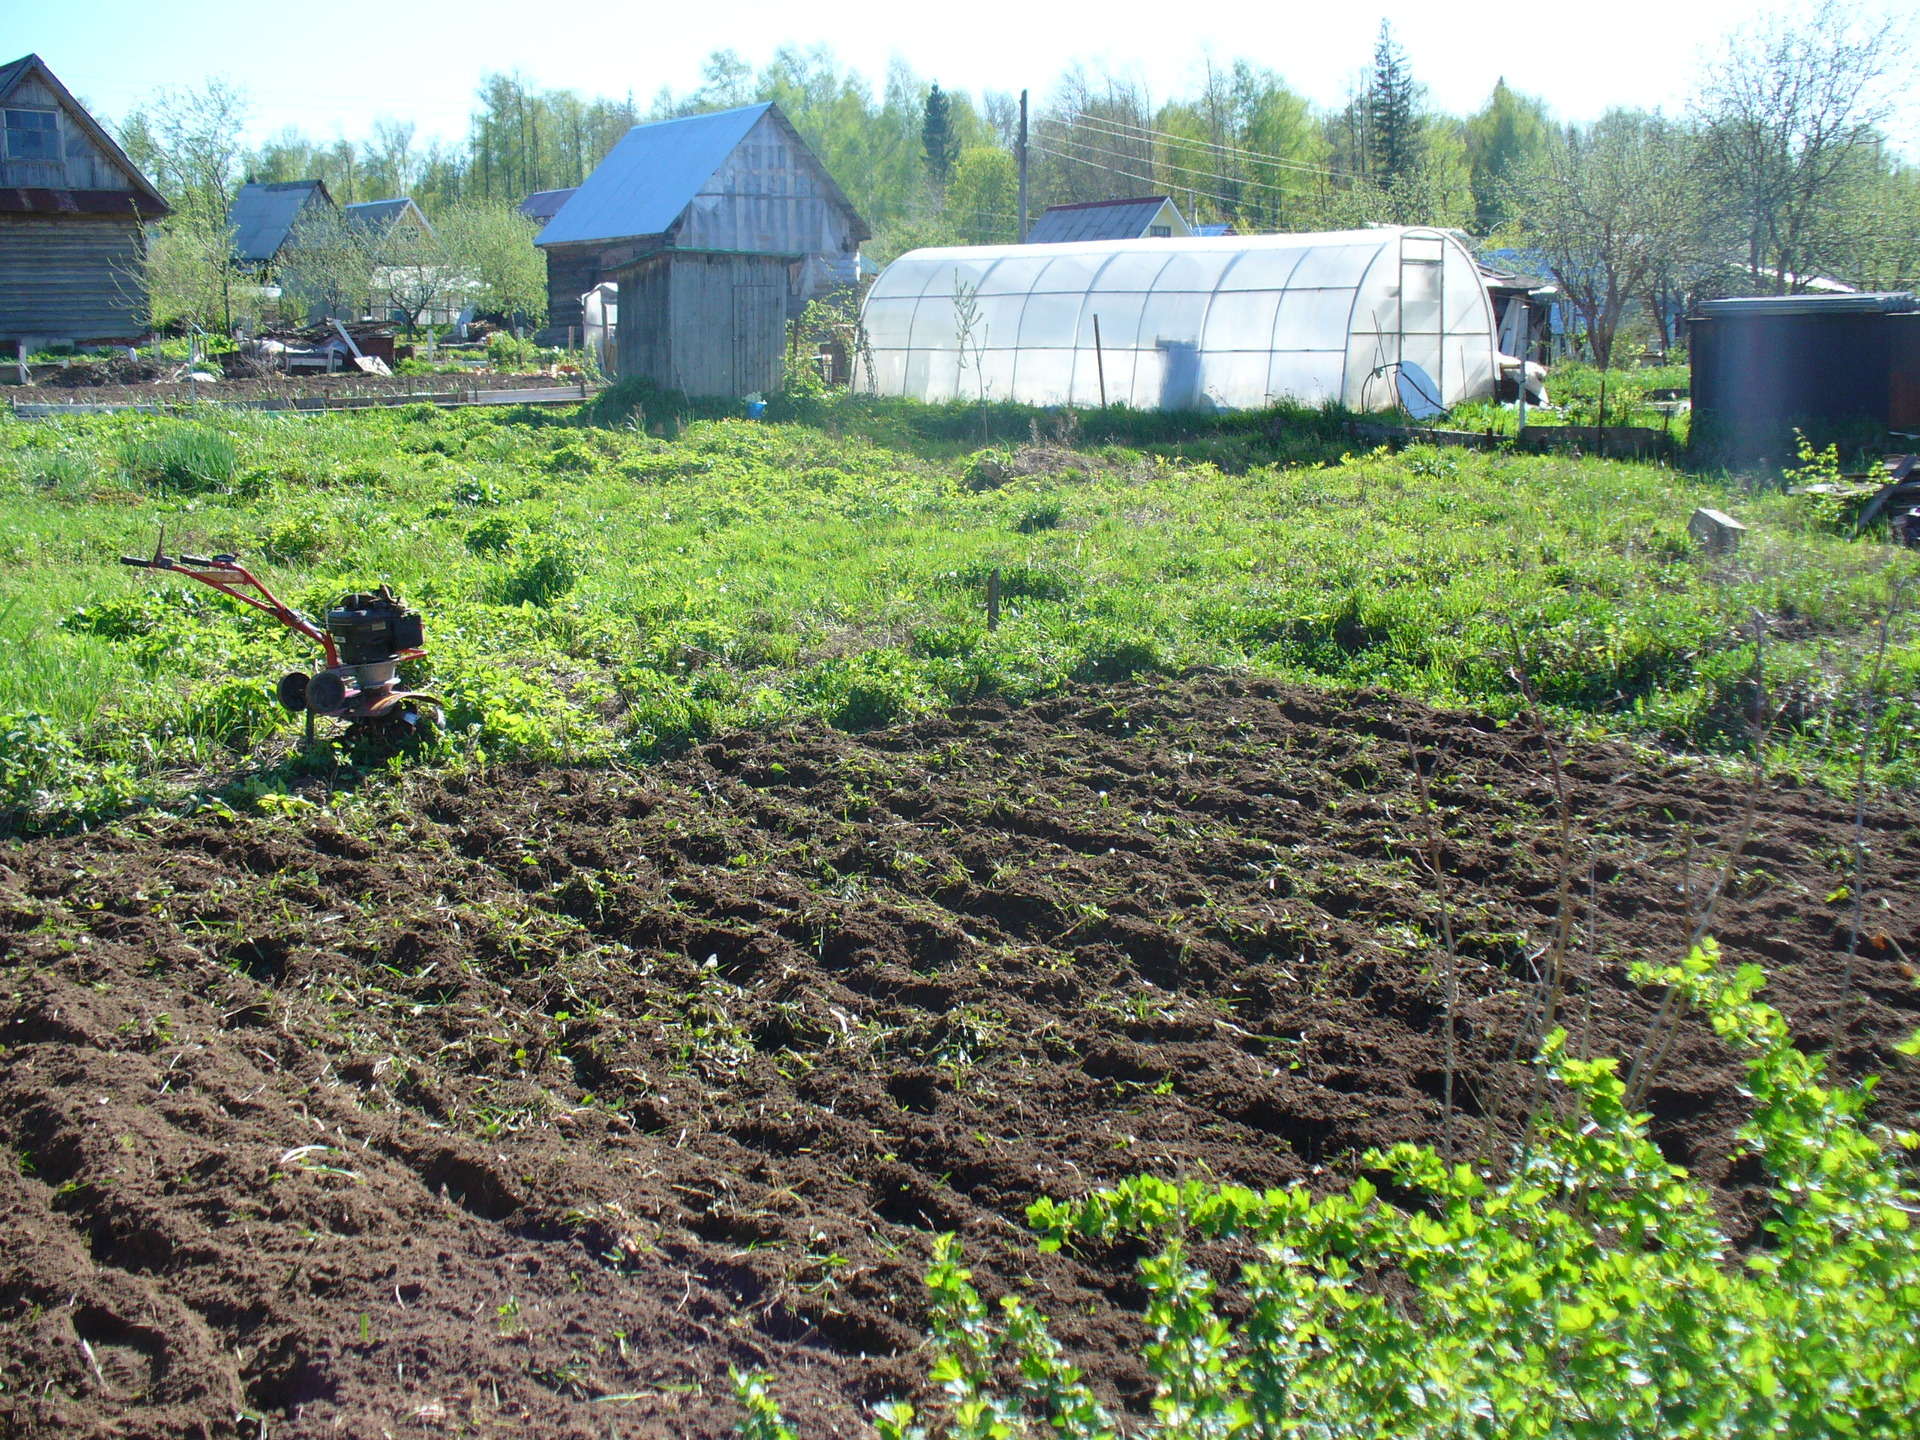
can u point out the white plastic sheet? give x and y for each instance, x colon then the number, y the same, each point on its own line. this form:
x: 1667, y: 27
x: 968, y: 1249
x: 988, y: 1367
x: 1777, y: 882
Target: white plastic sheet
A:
x: 1228, y: 322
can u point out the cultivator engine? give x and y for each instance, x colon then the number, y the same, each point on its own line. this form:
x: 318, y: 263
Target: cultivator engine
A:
x: 365, y: 638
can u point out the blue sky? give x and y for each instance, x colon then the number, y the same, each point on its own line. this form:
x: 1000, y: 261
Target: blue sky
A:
x: 332, y: 68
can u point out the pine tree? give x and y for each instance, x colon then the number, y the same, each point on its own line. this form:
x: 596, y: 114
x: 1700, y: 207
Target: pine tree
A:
x: 1392, y: 126
x: 937, y: 138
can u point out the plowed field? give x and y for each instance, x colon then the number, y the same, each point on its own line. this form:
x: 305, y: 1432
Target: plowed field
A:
x: 526, y: 1103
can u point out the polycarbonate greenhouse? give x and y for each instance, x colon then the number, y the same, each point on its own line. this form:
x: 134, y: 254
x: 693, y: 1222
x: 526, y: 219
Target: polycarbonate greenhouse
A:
x: 1228, y: 322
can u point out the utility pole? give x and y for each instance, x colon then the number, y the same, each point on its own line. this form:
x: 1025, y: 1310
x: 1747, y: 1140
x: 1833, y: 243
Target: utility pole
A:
x: 1023, y: 167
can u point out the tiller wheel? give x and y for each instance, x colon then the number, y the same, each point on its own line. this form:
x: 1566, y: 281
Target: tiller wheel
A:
x: 365, y: 638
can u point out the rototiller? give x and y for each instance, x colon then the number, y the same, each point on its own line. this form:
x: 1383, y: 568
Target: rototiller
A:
x: 365, y: 639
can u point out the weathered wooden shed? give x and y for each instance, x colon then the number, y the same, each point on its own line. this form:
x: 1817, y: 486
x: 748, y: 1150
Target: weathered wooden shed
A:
x: 73, y: 212
x: 707, y: 322
x: 735, y: 180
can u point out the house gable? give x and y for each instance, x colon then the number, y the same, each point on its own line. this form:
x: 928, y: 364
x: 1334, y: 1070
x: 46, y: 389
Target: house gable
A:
x: 770, y: 195
x: 56, y: 159
x: 263, y: 216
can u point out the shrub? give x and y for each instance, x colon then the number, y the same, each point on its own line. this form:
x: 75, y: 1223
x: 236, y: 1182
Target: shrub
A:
x: 506, y: 351
x: 860, y: 692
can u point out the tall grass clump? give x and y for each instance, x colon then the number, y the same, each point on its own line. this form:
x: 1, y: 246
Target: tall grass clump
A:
x: 188, y: 459
x: 1590, y: 1292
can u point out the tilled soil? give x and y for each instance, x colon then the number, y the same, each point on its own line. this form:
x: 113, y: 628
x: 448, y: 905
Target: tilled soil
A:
x: 529, y: 1103
x: 340, y: 385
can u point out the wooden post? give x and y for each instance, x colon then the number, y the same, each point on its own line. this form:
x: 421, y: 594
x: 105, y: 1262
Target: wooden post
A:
x: 20, y: 358
x: 1099, y: 362
x: 1023, y: 167
x: 993, y: 600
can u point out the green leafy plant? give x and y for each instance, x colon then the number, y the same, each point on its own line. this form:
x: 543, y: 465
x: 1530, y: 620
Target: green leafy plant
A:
x: 1591, y: 1291
x: 549, y: 570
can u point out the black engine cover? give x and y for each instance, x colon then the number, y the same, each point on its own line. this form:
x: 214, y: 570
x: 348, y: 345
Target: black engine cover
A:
x: 371, y: 628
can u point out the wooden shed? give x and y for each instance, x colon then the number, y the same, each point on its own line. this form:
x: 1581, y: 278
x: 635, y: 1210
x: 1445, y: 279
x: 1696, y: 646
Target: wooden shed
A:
x: 706, y: 322
x: 733, y: 180
x: 73, y: 212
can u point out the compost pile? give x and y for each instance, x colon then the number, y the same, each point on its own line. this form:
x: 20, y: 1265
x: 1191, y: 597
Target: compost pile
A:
x: 528, y: 1103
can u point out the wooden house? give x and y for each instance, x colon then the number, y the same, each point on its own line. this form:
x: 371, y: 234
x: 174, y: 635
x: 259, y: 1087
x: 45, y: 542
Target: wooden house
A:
x: 384, y: 226
x: 265, y: 215
x: 1141, y: 217
x: 73, y: 217
x: 735, y: 180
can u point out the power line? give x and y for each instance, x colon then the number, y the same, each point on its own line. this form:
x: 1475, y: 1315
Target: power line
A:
x: 1126, y: 131
x: 1130, y: 175
x: 1183, y: 169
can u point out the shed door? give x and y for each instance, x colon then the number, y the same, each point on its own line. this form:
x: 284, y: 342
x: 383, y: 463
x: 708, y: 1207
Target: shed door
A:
x: 759, y: 323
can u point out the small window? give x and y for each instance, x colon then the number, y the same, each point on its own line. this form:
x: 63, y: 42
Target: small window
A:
x: 1160, y: 232
x: 32, y: 135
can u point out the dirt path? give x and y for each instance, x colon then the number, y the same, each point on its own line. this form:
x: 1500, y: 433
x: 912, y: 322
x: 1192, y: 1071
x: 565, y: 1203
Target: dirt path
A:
x: 530, y: 1103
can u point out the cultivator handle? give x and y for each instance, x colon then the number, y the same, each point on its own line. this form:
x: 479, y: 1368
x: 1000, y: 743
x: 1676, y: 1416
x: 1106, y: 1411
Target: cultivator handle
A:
x: 226, y: 574
x: 158, y: 561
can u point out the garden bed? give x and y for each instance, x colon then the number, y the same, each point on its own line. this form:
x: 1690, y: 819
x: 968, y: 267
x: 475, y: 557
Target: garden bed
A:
x: 529, y: 1101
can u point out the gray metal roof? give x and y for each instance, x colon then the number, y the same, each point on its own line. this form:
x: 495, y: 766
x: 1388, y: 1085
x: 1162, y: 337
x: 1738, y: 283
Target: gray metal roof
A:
x: 262, y: 216
x: 1097, y: 220
x: 1882, y: 303
x: 650, y: 177
x: 543, y: 205
x: 377, y: 217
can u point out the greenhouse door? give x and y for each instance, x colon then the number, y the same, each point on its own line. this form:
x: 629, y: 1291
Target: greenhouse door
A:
x: 1423, y: 303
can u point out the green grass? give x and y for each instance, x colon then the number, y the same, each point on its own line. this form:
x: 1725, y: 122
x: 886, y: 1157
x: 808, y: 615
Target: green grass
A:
x: 595, y: 590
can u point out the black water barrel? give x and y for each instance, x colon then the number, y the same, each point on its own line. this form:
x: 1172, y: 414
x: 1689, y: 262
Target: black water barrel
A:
x: 1823, y: 364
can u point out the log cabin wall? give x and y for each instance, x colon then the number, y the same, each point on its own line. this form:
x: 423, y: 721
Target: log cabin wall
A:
x: 77, y: 279
x: 73, y: 212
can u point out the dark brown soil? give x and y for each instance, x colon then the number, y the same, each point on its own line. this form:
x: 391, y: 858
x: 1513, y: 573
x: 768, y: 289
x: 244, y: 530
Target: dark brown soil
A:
x: 146, y: 390
x: 527, y: 1104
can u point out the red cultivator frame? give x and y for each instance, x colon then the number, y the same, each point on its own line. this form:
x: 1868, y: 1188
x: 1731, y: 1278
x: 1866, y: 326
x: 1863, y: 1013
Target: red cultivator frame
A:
x: 365, y: 639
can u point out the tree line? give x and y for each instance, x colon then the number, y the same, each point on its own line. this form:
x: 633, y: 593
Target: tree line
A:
x: 1776, y: 173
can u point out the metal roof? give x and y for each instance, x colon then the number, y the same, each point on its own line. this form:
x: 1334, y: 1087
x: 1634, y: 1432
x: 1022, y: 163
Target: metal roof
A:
x: 1126, y: 219
x: 380, y: 216
x: 1882, y: 303
x: 650, y: 176
x: 262, y: 216
x: 545, y: 204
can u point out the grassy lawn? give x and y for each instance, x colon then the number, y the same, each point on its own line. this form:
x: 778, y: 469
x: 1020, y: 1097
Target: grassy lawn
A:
x: 597, y: 591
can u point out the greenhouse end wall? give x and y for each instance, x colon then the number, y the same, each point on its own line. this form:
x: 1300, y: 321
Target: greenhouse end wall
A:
x: 1228, y: 322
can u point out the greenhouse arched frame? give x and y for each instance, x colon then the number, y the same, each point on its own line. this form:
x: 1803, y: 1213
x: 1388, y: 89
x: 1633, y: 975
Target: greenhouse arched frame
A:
x: 1224, y: 322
